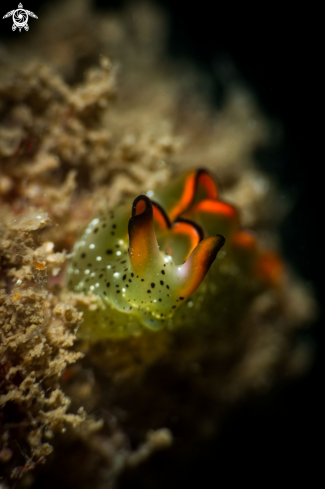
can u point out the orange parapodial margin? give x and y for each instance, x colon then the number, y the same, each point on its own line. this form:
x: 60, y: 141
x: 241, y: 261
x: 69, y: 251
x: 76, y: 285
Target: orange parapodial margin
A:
x: 216, y: 207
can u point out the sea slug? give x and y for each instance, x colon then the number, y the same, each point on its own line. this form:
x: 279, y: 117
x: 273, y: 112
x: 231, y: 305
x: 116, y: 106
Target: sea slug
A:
x: 151, y: 263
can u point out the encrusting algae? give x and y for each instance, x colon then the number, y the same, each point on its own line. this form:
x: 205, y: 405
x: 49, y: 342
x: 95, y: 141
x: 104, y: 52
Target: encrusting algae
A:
x: 34, y: 346
x: 81, y: 378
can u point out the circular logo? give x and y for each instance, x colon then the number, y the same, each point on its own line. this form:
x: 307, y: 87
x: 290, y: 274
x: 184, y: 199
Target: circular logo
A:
x: 20, y: 18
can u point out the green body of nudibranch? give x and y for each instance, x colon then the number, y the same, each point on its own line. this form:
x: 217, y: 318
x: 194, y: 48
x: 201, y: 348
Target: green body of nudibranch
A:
x: 147, y: 265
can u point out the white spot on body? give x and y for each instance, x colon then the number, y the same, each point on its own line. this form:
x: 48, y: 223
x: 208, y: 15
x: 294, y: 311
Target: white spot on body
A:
x: 92, y: 246
x: 98, y: 258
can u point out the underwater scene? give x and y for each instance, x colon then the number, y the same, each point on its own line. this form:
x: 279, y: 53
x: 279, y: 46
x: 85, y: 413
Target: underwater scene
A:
x: 159, y: 280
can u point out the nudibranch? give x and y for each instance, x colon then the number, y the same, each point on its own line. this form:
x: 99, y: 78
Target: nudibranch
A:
x: 152, y: 263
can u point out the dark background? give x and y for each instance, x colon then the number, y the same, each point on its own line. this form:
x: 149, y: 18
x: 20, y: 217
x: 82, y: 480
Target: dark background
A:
x: 274, y: 52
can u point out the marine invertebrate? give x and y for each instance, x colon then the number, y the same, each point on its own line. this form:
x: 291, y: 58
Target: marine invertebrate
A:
x: 146, y: 261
